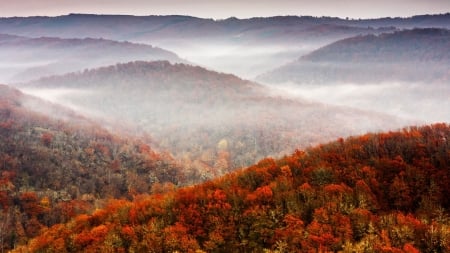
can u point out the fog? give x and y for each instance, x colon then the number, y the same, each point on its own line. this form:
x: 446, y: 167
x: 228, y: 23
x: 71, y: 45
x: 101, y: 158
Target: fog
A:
x: 246, y: 61
x: 61, y: 96
x: 189, y: 110
x: 418, y: 102
x: 11, y: 67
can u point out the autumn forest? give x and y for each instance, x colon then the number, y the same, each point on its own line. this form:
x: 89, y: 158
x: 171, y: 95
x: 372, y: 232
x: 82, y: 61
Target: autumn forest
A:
x: 180, y: 134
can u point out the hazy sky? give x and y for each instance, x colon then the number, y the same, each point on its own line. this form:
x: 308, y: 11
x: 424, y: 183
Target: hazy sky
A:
x: 225, y: 8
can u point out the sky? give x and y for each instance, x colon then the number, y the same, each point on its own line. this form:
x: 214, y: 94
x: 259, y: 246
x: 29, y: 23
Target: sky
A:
x: 219, y: 9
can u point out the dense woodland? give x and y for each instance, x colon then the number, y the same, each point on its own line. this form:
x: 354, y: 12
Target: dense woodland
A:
x: 202, y: 116
x: 52, y: 169
x: 385, y: 192
x: 410, y: 56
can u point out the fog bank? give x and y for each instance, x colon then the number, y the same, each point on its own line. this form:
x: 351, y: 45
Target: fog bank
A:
x: 417, y: 102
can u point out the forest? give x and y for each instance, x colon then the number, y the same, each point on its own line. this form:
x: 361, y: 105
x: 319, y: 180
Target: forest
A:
x: 173, y: 133
x: 52, y: 170
x: 384, y: 192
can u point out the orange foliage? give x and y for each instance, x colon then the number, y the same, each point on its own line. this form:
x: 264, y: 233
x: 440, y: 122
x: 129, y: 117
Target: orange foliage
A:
x: 273, y: 206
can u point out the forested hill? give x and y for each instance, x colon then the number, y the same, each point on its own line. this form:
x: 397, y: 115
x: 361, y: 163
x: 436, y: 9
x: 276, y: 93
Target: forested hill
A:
x: 401, y: 46
x: 54, y: 167
x: 385, y: 192
x: 31, y: 58
x: 414, y: 56
x: 212, y: 121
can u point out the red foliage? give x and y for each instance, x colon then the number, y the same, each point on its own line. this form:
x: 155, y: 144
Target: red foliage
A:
x: 47, y: 139
x: 30, y: 204
x: 368, y: 201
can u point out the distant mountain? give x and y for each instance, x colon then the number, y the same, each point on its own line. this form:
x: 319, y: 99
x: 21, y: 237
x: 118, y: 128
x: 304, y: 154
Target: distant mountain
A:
x: 213, y: 122
x: 245, y: 47
x: 161, y: 28
x: 384, y: 192
x: 24, y: 58
x: 413, y: 56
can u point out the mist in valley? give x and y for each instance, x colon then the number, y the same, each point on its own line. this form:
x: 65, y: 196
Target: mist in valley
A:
x: 418, y: 103
x: 244, y: 60
x: 402, y: 73
x: 59, y: 97
x: 211, y: 122
x: 215, y: 122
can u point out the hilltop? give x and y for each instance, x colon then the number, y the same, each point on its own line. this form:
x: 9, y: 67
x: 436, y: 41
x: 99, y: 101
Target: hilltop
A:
x: 215, y: 122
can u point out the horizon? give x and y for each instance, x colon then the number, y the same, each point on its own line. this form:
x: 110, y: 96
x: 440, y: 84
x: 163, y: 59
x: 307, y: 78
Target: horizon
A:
x: 225, y: 18
x: 219, y: 10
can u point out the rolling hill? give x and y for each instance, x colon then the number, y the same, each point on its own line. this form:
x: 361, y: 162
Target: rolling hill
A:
x: 243, y: 47
x: 419, y: 55
x: 383, y: 192
x: 212, y: 121
x: 403, y: 73
x: 25, y: 58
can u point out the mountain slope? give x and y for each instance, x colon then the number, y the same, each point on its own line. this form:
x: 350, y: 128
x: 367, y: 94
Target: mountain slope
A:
x: 212, y: 121
x: 403, y: 73
x: 419, y: 55
x: 53, y: 167
x: 377, y: 193
x: 27, y: 58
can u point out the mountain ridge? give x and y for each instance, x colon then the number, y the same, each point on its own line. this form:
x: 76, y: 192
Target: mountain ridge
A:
x: 246, y: 47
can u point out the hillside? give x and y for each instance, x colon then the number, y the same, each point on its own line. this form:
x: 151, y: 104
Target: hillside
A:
x: 382, y: 192
x: 213, y: 122
x: 25, y: 58
x: 404, y: 73
x: 54, y: 167
x: 413, y: 56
